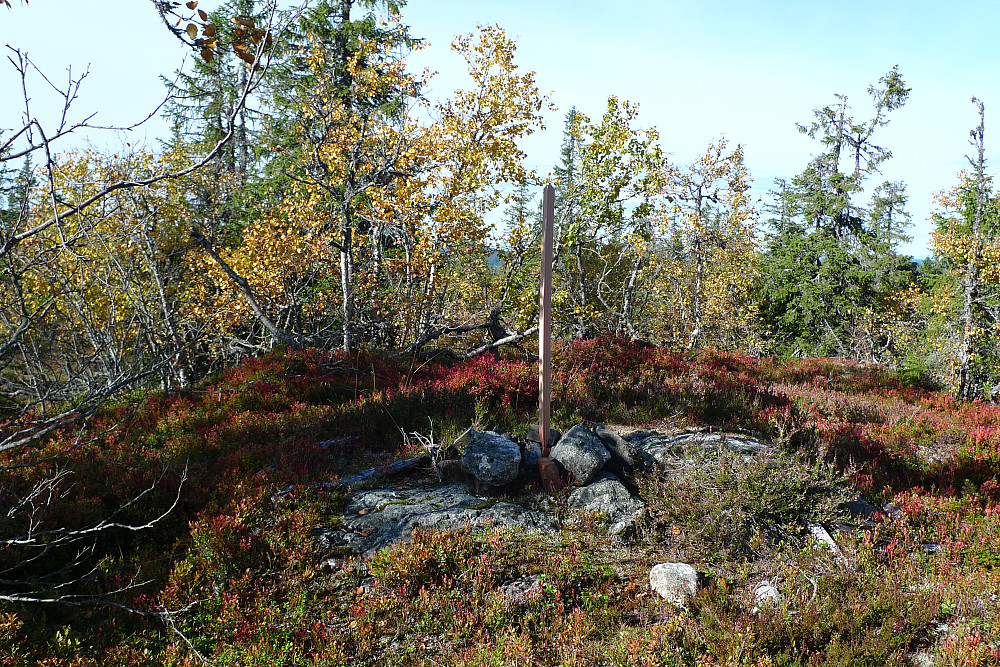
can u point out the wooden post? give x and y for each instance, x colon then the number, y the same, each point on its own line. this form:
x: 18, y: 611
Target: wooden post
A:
x: 546, y: 465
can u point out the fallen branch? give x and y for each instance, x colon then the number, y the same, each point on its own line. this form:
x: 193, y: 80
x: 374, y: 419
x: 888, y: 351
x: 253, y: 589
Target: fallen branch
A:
x: 394, y: 468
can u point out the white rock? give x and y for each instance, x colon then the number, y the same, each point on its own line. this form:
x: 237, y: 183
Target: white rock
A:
x: 765, y: 594
x: 674, y: 582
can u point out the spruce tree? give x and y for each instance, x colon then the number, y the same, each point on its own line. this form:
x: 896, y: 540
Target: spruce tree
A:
x: 832, y: 262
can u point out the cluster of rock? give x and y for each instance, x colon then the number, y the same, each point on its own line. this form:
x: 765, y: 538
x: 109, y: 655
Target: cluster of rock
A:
x: 596, y: 463
x: 588, y: 457
x: 592, y: 458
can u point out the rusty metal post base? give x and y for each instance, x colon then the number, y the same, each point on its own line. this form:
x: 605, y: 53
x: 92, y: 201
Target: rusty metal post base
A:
x: 549, y: 472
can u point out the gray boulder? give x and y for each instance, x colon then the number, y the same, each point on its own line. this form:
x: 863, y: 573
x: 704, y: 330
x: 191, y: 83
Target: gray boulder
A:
x: 581, y: 453
x: 492, y: 458
x: 857, y: 513
x: 532, y: 452
x: 623, y: 453
x: 607, y: 495
x: 377, y: 518
x: 529, y: 463
x: 674, y: 582
x: 859, y: 510
x: 534, y: 432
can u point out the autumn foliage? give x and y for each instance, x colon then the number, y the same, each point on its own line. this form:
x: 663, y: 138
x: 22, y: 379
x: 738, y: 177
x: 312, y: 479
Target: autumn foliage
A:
x: 198, y: 342
x: 242, y: 565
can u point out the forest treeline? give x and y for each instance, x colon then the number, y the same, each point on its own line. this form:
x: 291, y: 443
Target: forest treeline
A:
x: 316, y: 198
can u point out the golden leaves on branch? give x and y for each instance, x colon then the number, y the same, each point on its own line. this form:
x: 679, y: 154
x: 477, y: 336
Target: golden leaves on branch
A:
x: 96, y: 266
x: 248, y: 40
x: 203, y: 34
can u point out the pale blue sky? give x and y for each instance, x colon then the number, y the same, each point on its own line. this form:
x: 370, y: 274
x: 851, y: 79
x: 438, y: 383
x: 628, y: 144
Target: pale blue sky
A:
x: 699, y: 70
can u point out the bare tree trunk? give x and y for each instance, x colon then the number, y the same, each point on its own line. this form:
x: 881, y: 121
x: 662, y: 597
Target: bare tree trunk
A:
x: 699, y: 270
x: 628, y: 298
x: 347, y: 279
x: 581, y: 290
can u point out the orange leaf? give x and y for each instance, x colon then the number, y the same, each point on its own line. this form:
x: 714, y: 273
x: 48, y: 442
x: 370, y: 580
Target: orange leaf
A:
x: 192, y: 4
x: 209, y: 30
x: 202, y: 15
x: 207, y: 54
x: 192, y: 30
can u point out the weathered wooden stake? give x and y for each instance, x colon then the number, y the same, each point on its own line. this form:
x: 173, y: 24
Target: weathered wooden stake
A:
x: 546, y: 465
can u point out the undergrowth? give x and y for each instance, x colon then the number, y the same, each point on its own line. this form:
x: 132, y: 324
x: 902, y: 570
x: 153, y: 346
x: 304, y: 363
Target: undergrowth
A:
x: 238, y: 566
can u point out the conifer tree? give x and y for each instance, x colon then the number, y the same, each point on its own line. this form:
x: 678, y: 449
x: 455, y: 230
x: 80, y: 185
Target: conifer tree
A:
x: 831, y: 271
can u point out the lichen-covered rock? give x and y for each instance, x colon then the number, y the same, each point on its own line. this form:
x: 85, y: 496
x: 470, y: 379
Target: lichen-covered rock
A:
x: 607, y: 495
x: 674, y: 582
x: 581, y: 453
x: 493, y: 458
x: 376, y: 518
x: 666, y: 449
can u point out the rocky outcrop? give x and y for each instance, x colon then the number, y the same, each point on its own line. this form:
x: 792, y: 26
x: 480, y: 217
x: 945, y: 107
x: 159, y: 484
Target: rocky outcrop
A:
x: 376, y: 518
x: 667, y: 449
